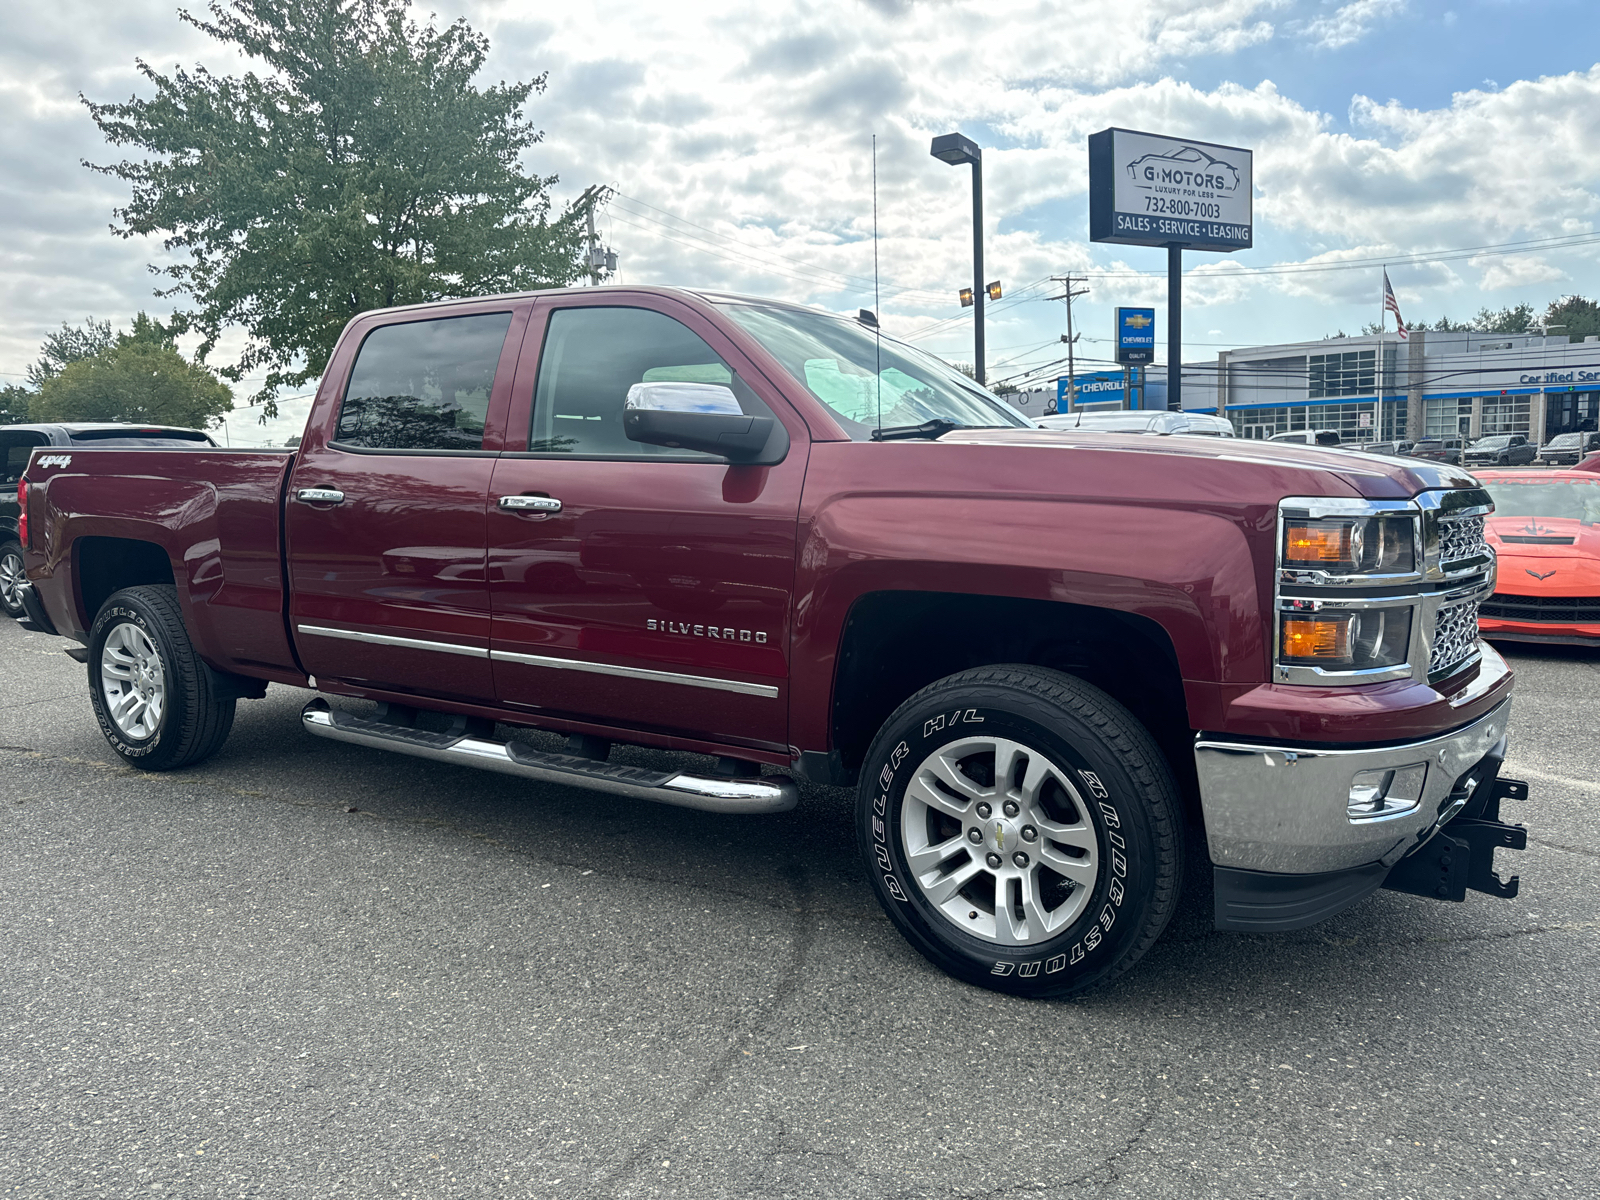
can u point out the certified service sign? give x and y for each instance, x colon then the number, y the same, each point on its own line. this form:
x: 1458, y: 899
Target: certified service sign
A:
x: 1149, y: 190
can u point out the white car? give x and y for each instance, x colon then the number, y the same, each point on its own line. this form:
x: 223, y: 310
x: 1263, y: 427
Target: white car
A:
x: 1136, y: 421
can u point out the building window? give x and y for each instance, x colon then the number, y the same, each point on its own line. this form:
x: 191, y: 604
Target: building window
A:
x: 1353, y: 373
x: 1443, y: 415
x: 1505, y: 414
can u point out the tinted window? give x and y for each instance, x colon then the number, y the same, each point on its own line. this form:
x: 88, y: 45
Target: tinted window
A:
x: 423, y: 385
x: 16, y: 448
x: 592, y: 356
x: 124, y: 439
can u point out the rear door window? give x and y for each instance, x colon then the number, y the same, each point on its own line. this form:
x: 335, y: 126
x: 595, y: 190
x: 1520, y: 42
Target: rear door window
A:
x: 423, y: 385
x: 16, y: 447
x: 135, y: 439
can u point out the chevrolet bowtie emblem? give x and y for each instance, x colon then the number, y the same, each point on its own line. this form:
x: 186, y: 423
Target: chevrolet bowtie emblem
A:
x: 1546, y: 575
x: 999, y: 836
x: 1139, y: 321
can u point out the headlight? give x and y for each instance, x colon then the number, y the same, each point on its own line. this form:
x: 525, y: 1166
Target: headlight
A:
x: 1345, y: 640
x: 1381, y: 545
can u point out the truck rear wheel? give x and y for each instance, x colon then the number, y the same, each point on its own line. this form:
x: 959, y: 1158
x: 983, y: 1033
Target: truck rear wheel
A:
x: 158, y: 705
x: 1021, y: 829
x: 11, y: 578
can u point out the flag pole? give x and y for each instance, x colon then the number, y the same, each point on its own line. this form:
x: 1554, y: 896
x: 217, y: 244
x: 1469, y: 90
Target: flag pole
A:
x: 1383, y: 297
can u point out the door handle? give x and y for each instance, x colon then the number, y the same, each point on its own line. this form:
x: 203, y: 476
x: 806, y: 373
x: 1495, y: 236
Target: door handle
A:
x: 539, y: 504
x: 320, y: 495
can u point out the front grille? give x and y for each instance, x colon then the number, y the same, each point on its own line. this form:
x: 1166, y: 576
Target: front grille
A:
x: 1461, y: 538
x: 1455, y: 636
x: 1552, y: 610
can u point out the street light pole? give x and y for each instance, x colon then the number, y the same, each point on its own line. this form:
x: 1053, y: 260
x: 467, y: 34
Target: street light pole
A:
x: 954, y: 149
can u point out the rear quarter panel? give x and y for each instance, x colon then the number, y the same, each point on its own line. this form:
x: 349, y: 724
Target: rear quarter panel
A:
x: 214, y: 513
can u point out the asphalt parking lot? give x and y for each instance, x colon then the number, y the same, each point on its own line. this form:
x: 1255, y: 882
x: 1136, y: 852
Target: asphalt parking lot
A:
x: 308, y: 969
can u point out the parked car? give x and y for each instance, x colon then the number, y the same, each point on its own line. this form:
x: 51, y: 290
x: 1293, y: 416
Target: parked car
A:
x: 1393, y: 448
x: 1546, y: 533
x: 1438, y: 449
x: 1308, y: 437
x: 1136, y: 421
x: 1568, y: 449
x: 1502, y: 450
x: 17, y: 442
x: 1048, y: 661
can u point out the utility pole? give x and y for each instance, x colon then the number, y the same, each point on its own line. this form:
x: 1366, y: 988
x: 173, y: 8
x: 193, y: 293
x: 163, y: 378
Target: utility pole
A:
x: 1068, y: 284
x: 596, y: 260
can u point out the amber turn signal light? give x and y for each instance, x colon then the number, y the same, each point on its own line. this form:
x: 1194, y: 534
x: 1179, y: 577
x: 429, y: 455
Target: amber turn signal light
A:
x: 1316, y: 638
x: 1318, y: 545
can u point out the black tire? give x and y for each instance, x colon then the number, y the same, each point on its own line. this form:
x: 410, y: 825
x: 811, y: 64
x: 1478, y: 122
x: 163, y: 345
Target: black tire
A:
x: 10, y: 576
x: 1125, y: 805
x: 195, y: 714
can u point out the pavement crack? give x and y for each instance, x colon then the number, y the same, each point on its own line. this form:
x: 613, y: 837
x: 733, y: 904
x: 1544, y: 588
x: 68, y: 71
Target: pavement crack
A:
x: 721, y: 1068
x: 1566, y: 849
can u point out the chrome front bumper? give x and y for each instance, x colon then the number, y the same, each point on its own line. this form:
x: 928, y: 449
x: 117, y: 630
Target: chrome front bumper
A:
x: 1289, y: 810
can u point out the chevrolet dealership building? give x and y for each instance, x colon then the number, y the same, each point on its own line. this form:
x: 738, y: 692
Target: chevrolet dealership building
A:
x: 1433, y: 385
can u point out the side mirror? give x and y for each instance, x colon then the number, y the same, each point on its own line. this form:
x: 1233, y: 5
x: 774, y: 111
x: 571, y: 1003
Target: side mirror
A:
x: 700, y: 416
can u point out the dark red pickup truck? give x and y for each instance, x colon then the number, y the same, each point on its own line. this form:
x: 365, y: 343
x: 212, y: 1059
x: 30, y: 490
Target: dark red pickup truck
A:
x: 1051, y: 663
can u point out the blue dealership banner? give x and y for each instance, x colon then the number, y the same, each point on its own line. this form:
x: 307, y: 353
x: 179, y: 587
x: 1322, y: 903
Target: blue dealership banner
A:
x: 1094, y: 387
x: 1136, y: 335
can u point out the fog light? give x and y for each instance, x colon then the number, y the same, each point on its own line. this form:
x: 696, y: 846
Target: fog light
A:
x: 1386, y: 792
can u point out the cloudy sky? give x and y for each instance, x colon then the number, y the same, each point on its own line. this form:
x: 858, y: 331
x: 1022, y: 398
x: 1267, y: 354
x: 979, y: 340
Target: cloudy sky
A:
x: 738, y: 137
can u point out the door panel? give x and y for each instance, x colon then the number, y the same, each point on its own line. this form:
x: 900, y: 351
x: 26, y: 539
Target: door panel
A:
x: 384, y: 520
x: 657, y: 597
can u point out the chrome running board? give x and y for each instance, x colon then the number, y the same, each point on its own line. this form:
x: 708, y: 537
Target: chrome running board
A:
x: 767, y: 794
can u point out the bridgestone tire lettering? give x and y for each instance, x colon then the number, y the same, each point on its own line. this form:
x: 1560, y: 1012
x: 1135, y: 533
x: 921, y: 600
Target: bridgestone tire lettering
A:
x: 1127, y: 796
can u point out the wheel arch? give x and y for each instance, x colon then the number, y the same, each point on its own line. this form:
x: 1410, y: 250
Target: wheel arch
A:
x: 104, y: 565
x: 895, y: 643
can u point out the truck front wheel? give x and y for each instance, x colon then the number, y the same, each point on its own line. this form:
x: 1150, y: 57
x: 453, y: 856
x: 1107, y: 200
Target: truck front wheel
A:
x: 158, y: 705
x: 1021, y: 829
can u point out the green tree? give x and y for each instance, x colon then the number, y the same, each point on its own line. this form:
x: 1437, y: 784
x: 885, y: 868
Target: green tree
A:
x: 362, y: 169
x: 1579, y: 317
x: 1515, y: 319
x: 14, y: 404
x: 69, y: 344
x: 141, y: 378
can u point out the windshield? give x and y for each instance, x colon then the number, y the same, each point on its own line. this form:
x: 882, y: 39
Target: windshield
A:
x: 1564, y: 439
x: 1576, y: 500
x: 867, y: 380
x: 1490, y: 443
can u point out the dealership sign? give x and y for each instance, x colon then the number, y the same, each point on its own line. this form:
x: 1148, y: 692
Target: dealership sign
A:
x: 1150, y: 190
x: 1136, y: 335
x: 1095, y: 387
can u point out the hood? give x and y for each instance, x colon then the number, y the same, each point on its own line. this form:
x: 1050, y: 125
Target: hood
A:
x: 1375, y: 476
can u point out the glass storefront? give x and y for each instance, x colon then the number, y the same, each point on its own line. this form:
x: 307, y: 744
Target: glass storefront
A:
x: 1571, y: 412
x: 1355, y: 423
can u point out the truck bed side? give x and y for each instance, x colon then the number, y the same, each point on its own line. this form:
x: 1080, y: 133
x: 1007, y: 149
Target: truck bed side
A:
x: 208, y: 521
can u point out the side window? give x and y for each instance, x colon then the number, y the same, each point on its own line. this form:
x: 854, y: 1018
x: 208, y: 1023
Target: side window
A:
x: 16, y: 447
x: 592, y: 356
x: 423, y: 385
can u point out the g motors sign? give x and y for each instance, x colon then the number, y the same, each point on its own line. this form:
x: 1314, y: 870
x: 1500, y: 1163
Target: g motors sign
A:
x: 1150, y: 190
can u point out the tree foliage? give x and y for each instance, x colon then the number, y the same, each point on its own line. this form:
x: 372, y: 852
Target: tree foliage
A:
x: 14, y: 404
x: 361, y: 169
x: 69, y: 344
x: 140, y: 378
x: 1578, y: 317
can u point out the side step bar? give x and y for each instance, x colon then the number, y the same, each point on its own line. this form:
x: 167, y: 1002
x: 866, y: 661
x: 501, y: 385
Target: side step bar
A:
x: 767, y: 794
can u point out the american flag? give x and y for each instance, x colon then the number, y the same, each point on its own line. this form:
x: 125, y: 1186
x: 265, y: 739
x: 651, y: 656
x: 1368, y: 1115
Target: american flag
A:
x: 1392, y: 305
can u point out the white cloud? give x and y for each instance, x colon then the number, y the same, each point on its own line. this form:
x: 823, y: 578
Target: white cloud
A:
x: 1350, y: 23
x: 754, y: 123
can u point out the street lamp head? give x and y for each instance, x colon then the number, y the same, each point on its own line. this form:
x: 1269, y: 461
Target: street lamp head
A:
x: 955, y: 149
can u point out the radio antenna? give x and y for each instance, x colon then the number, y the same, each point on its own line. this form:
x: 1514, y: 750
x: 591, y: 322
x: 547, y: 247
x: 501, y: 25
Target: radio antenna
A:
x: 877, y: 301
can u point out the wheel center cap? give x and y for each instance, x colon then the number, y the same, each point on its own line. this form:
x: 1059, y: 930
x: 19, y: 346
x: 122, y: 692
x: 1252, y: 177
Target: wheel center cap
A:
x: 1003, y: 836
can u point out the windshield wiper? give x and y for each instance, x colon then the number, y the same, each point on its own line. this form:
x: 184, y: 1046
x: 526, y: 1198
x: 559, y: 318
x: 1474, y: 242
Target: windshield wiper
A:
x: 935, y: 428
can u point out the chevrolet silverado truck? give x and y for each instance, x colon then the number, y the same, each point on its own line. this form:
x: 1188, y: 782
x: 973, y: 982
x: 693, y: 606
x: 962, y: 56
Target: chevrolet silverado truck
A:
x: 1052, y: 663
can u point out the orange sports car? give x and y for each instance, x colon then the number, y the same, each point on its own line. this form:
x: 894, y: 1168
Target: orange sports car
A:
x: 1546, y: 532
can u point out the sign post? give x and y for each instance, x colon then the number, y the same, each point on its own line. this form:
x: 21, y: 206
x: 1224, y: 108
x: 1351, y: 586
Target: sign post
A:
x: 1146, y: 189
